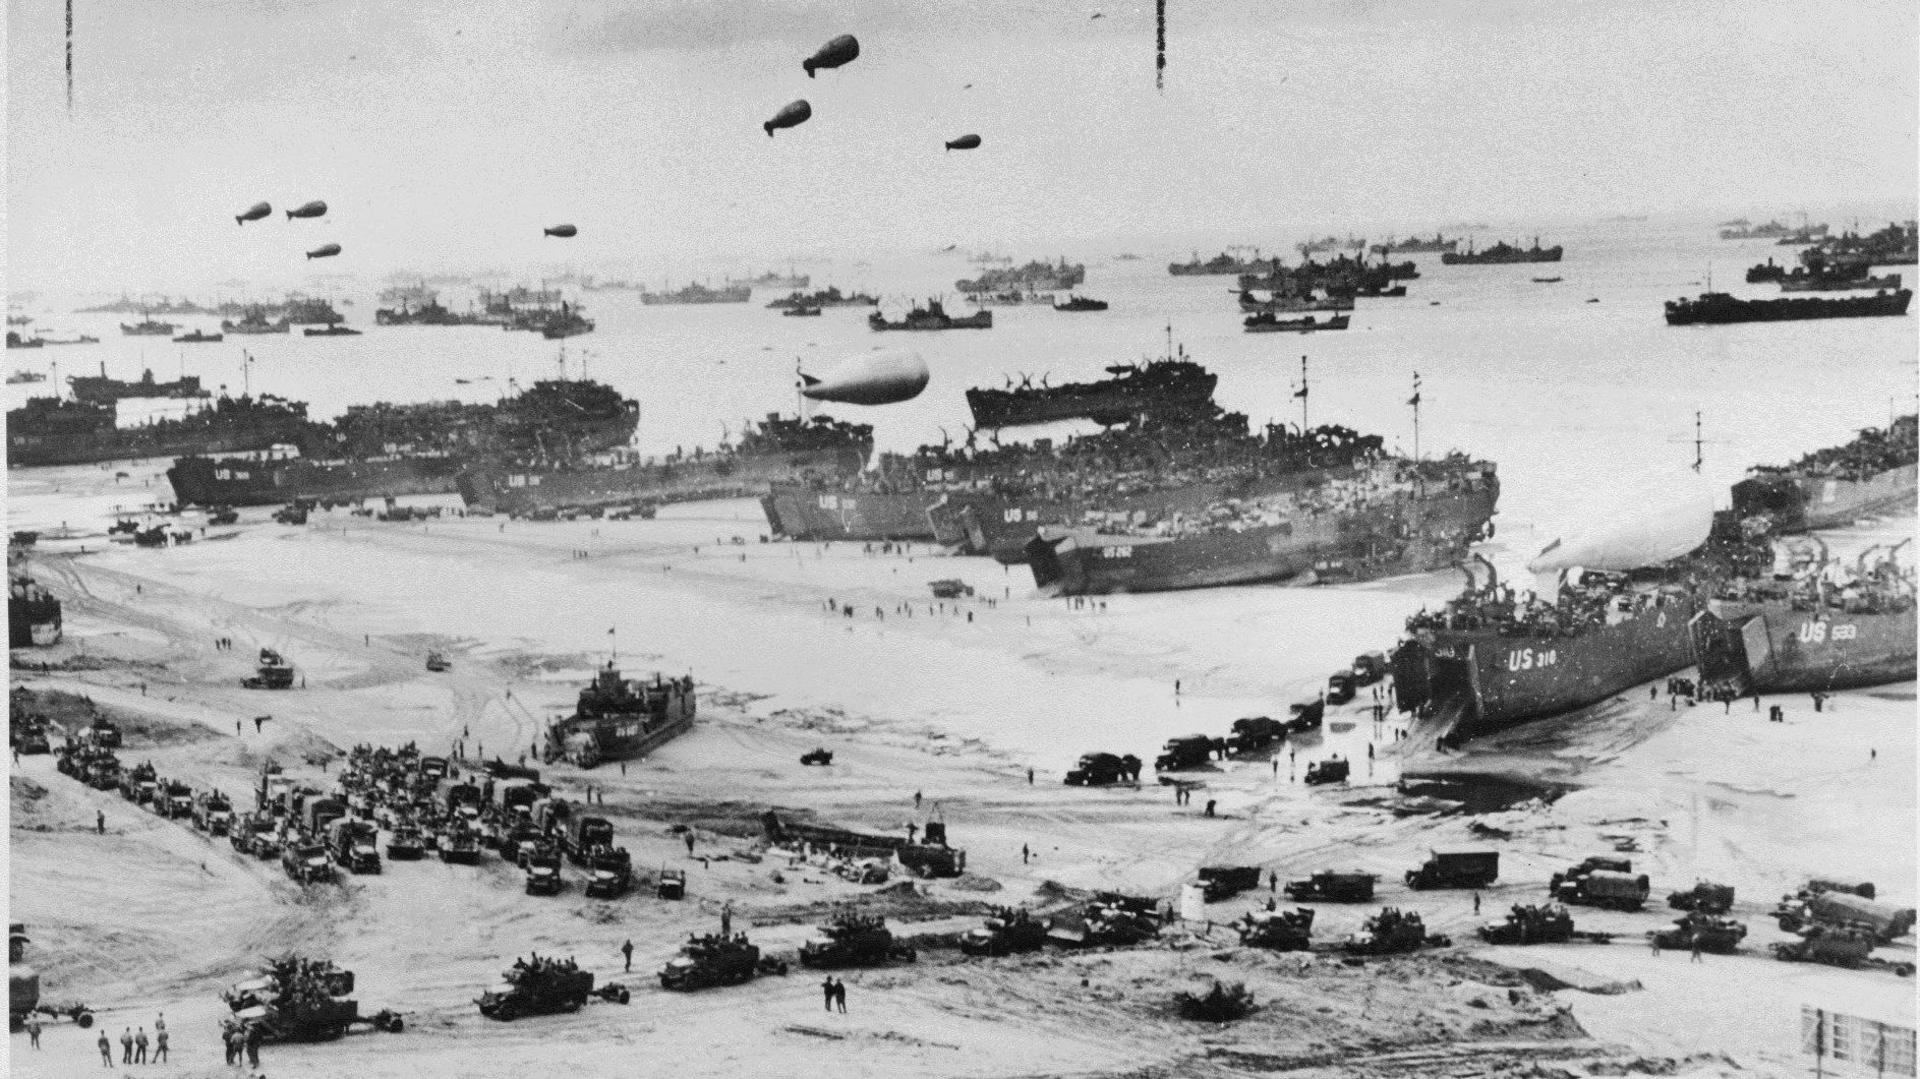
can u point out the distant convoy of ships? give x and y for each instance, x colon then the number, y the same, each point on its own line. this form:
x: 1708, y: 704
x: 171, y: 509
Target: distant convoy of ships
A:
x: 1172, y: 493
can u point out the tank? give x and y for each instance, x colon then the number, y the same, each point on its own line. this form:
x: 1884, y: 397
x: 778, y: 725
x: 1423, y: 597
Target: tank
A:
x: 1280, y: 930
x: 1547, y: 923
x: 1390, y: 932
x: 853, y: 940
x: 1705, y: 897
x: 1721, y: 936
x: 1007, y: 930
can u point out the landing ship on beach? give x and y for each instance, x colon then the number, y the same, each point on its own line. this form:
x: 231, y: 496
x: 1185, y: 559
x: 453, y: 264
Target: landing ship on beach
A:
x: 49, y: 431
x: 620, y: 719
x: 1873, y: 474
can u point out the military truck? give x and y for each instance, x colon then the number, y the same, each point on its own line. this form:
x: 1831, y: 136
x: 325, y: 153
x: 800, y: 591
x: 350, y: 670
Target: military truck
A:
x: 1716, y: 934
x: 1370, y: 667
x: 1255, y: 734
x: 1190, y: 751
x: 1280, y: 930
x: 1219, y: 882
x: 1331, y: 770
x: 1100, y: 769
x: 1456, y: 869
x: 819, y: 755
x: 102, y: 733
x: 459, y: 844
x: 583, y: 834
x: 406, y: 843
x: 306, y: 862
x: 609, y: 872
x: 302, y: 1000
x: 1547, y: 923
x: 543, y: 873
x: 854, y: 940
x: 1704, y: 897
x: 175, y: 799
x: 1306, y: 716
x: 1007, y: 930
x: 1328, y: 886
x: 715, y: 959
x: 1884, y: 920
x: 1392, y: 932
x: 671, y: 885
x: 950, y: 588
x: 1605, y: 888
x: 212, y: 813
x: 1341, y: 687
x: 317, y: 813
x: 1611, y: 863
x: 544, y: 987
x: 354, y: 844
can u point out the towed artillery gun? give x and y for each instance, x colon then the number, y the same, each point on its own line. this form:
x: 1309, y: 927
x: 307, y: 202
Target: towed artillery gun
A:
x: 1007, y: 930
x: 1393, y: 932
x: 1713, y: 933
x: 302, y: 1000
x: 23, y: 988
x: 717, y: 959
x: 854, y: 940
x: 1280, y: 930
x: 544, y: 987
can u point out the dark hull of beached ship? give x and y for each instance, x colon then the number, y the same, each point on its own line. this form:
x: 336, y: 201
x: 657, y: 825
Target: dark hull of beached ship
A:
x: 260, y: 480
x: 1778, y: 646
x: 1423, y: 531
x: 802, y: 511
x: 49, y: 432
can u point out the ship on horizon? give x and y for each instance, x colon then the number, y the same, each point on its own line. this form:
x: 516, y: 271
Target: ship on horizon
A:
x: 933, y: 316
x: 102, y: 390
x: 1501, y: 254
x: 697, y: 293
x: 1719, y: 308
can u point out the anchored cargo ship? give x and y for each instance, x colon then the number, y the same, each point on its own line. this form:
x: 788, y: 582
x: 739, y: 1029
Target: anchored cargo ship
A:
x: 101, y: 390
x: 1842, y: 281
x: 775, y: 450
x: 828, y: 297
x: 1436, y: 246
x: 47, y: 431
x: 933, y: 317
x: 1719, y: 307
x: 698, y: 293
x: 1393, y: 517
x: 1293, y: 303
x: 1033, y: 277
x: 1223, y: 264
x: 1501, y: 253
x: 1168, y: 385
x: 256, y: 321
x: 1816, y: 631
x: 1874, y: 473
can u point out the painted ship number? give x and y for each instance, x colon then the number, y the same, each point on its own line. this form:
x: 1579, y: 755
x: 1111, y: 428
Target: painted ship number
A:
x: 1016, y: 515
x: 1116, y: 552
x: 1527, y: 659
x: 1816, y: 632
x: 829, y: 502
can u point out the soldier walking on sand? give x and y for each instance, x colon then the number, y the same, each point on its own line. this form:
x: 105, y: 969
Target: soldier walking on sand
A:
x: 126, y: 1045
x: 1696, y: 948
x: 627, y: 951
x: 826, y: 993
x: 840, y: 996
x: 159, y: 1045
x: 140, y: 1046
x: 689, y: 838
x: 33, y: 1031
x: 106, y: 1049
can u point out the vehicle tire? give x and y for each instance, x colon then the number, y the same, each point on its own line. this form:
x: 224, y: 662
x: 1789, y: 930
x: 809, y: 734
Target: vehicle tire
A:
x: 396, y: 1024
x: 623, y: 996
x: 1904, y: 970
x: 83, y: 1020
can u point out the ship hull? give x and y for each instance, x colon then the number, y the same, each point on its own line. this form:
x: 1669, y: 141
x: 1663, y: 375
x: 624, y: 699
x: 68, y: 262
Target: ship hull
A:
x: 1722, y: 311
x: 1797, y: 503
x: 1001, y: 527
x: 1772, y: 648
x: 1493, y: 682
x: 240, y: 481
x: 521, y: 491
x: 1006, y: 408
x: 1406, y: 536
x: 26, y: 449
x: 797, y: 511
x: 1470, y: 258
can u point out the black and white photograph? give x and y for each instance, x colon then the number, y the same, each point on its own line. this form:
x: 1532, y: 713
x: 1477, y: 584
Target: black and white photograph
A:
x: 983, y: 540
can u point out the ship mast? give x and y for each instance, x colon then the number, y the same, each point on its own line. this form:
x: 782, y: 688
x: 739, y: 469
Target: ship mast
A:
x: 1415, y: 402
x: 1301, y: 393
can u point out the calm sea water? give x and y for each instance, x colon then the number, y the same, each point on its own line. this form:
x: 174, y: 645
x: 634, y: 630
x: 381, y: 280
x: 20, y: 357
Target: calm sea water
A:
x: 1587, y: 407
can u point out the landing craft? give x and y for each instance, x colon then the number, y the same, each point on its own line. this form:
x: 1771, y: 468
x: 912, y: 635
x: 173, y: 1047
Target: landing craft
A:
x: 324, y: 251
x: 965, y: 142
x: 831, y: 55
x: 879, y: 378
x: 795, y: 114
x: 563, y: 231
x: 316, y: 208
x: 254, y: 213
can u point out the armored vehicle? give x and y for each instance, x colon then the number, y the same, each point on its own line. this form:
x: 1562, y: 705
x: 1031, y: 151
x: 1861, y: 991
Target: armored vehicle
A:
x: 1704, y: 897
x: 212, y: 813
x: 713, y: 960
x: 1331, y: 887
x: 1722, y: 936
x: 406, y: 844
x: 1007, y: 930
x: 1280, y: 930
x: 1393, y: 931
x: 1548, y: 923
x: 817, y: 755
x: 854, y: 940
x: 1192, y: 751
x: 1456, y: 869
x: 543, y: 872
x: 543, y: 987
x: 459, y: 845
x: 139, y: 784
x: 1100, y: 769
x: 302, y: 1000
x: 102, y: 733
x: 609, y: 872
x: 174, y: 800
x: 1333, y: 770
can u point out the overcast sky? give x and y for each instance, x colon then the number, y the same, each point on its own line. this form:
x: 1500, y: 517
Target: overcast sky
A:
x: 447, y: 133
